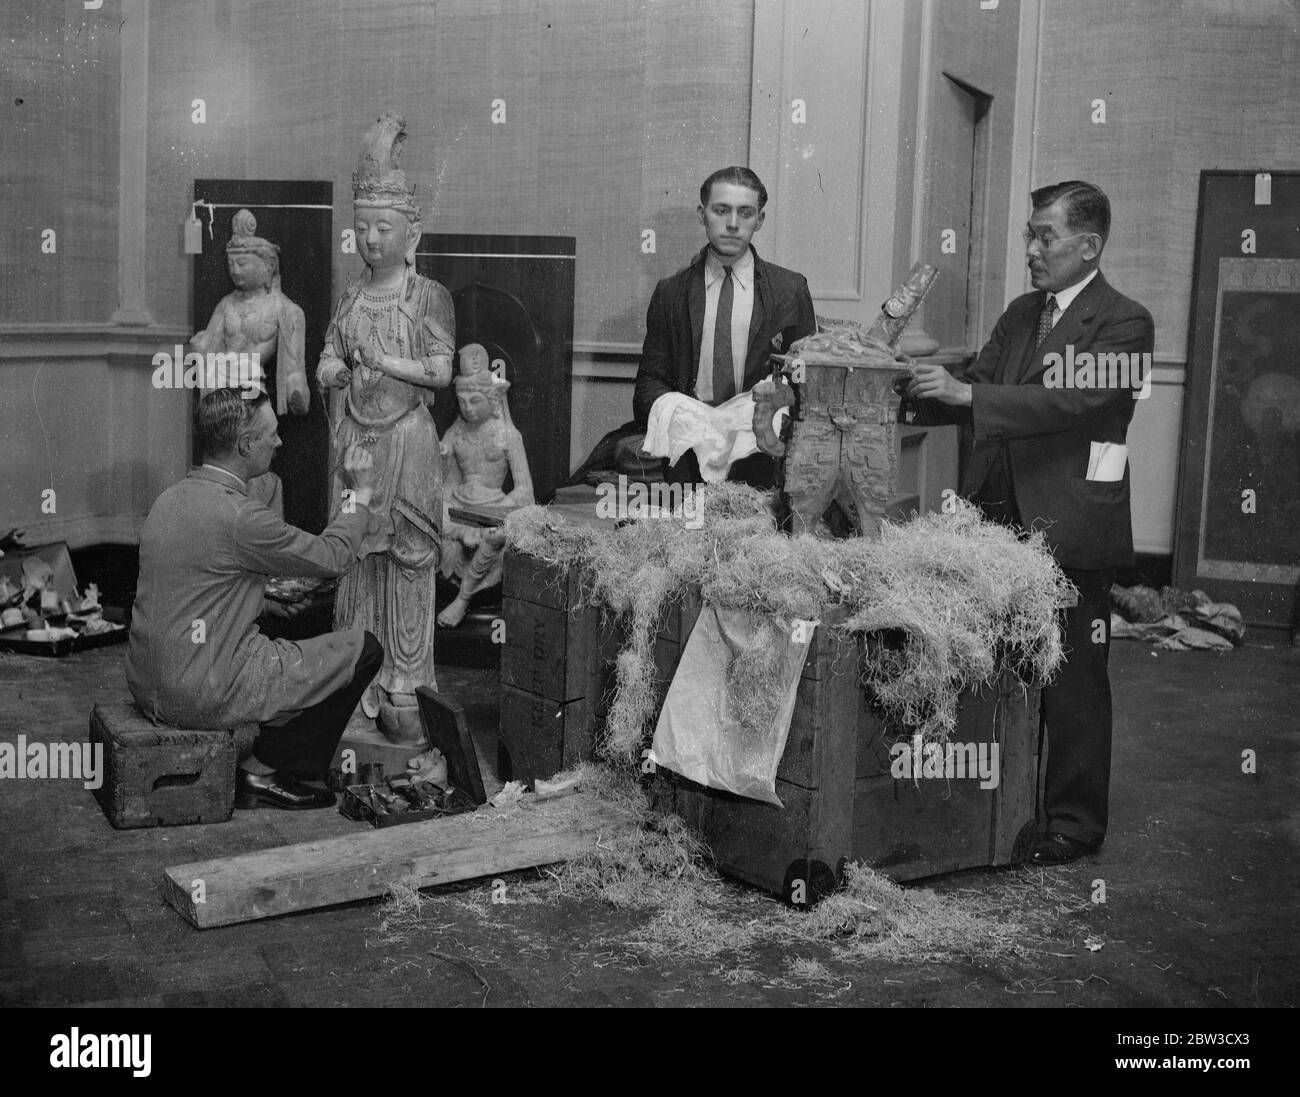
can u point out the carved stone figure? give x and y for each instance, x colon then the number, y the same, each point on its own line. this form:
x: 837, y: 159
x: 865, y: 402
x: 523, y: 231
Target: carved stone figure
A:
x: 258, y: 319
x: 841, y: 434
x: 484, y: 445
x: 388, y: 345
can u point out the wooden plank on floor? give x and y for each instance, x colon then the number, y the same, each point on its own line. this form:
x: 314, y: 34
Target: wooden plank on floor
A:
x: 308, y: 875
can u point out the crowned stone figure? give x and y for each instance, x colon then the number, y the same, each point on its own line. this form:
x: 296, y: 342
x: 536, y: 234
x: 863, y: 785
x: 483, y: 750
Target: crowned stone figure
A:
x: 389, y: 343
x: 257, y: 319
x: 484, y: 445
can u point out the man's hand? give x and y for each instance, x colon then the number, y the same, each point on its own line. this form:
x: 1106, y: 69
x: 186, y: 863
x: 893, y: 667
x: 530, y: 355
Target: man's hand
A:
x: 271, y: 607
x: 936, y: 383
x: 358, y: 473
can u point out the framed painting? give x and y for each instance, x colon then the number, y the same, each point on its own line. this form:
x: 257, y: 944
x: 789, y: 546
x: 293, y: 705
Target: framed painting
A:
x: 1238, y: 517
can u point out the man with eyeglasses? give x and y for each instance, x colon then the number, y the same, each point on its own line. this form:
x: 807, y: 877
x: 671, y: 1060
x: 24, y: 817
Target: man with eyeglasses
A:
x: 1053, y: 458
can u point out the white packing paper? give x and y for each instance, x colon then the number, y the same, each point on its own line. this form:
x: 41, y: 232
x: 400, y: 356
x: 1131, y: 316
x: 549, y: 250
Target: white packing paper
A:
x: 698, y: 737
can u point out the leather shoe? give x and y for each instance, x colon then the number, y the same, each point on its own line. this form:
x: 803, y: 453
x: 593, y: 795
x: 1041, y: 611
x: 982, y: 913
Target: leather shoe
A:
x: 281, y: 790
x: 1057, y: 849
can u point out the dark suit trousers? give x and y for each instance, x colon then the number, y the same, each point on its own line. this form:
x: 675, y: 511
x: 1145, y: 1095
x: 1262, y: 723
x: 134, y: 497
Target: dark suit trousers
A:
x: 1076, y: 712
x: 305, y: 743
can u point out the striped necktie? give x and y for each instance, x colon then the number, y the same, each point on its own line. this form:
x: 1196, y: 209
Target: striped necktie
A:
x: 1045, y: 320
x: 724, y: 368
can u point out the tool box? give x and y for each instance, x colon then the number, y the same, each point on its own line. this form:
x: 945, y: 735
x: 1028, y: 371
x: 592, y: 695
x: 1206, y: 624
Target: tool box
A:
x: 398, y: 800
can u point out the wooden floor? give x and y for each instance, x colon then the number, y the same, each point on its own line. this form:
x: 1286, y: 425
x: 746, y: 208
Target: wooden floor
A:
x: 1201, y: 870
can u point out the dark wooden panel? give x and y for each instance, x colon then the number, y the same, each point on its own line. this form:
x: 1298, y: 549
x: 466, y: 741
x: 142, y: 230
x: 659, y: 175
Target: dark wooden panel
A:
x: 832, y: 809
x: 751, y: 840
x: 911, y: 829
x: 535, y: 654
x: 514, y: 295
x: 1015, y: 806
x: 529, y: 579
x: 532, y: 729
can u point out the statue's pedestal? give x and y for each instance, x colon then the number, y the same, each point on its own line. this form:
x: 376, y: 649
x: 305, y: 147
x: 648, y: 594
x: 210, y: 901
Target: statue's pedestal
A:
x: 371, y: 745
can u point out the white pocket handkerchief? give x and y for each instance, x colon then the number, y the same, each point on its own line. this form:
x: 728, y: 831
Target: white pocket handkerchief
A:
x: 1106, y: 461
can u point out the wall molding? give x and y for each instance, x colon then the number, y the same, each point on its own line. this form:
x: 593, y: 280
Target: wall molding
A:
x: 601, y: 361
x: 599, y: 349
x: 78, y: 532
x: 87, y: 340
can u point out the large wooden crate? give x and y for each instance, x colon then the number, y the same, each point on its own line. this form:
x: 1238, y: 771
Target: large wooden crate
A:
x: 842, y: 804
x: 557, y: 667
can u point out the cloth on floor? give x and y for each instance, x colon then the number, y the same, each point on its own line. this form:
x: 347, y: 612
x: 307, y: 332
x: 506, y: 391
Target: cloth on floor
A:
x: 720, y: 436
x: 1173, y: 619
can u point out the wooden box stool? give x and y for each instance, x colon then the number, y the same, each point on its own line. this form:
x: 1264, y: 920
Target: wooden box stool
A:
x: 155, y: 775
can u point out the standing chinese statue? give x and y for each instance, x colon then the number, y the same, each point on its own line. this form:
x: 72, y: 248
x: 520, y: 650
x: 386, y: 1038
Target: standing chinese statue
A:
x: 484, y: 445
x: 260, y: 321
x: 389, y: 343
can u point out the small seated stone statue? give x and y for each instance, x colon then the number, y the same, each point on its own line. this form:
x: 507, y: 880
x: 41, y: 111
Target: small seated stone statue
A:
x: 483, y: 445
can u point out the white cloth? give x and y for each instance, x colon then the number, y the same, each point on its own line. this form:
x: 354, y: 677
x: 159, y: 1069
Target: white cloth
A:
x: 720, y: 436
x: 742, y: 311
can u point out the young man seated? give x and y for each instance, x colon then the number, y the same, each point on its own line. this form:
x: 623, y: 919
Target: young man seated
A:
x: 196, y: 657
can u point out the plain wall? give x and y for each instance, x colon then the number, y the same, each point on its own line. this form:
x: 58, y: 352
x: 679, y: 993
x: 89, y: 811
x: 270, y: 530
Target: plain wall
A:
x: 1187, y: 86
x: 614, y: 112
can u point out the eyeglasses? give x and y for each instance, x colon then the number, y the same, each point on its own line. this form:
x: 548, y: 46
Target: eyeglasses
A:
x: 1047, y: 242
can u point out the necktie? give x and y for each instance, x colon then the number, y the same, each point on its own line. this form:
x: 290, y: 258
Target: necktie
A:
x: 724, y: 369
x: 1045, y: 319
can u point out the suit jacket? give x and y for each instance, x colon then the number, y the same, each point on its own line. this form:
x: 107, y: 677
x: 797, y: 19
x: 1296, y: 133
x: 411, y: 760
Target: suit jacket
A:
x: 206, y: 551
x: 670, y: 356
x: 1048, y: 429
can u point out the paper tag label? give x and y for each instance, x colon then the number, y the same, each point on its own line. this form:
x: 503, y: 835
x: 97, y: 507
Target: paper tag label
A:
x: 1263, y: 189
x: 193, y: 237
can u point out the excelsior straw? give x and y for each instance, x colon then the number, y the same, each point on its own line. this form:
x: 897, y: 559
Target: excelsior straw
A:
x: 945, y: 602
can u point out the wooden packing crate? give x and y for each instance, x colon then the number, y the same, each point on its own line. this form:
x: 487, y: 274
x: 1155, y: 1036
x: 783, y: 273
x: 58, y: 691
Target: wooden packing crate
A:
x: 842, y: 804
x: 162, y: 776
x: 557, y: 667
